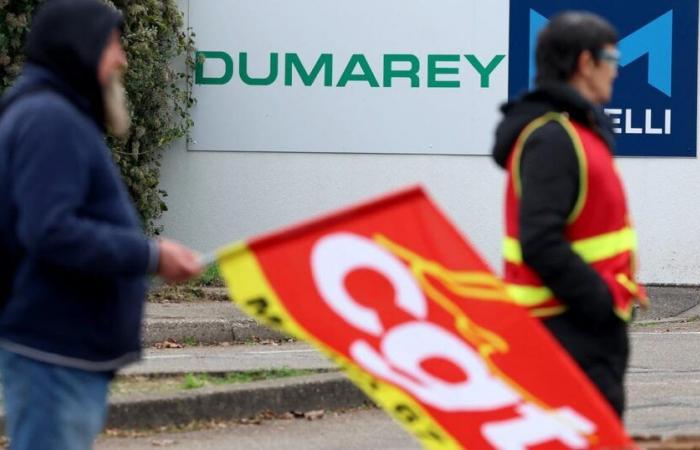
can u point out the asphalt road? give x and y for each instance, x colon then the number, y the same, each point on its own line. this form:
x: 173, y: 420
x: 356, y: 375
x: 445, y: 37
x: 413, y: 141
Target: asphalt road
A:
x: 663, y: 383
x: 663, y: 399
x: 361, y: 430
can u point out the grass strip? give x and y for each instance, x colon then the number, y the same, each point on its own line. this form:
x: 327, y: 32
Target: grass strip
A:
x: 141, y: 384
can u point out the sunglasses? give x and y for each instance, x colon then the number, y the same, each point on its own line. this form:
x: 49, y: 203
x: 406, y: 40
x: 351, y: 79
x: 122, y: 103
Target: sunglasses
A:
x: 612, y: 57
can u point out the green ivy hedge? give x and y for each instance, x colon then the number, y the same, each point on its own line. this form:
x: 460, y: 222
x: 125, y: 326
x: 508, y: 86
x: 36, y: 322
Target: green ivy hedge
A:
x: 159, y: 93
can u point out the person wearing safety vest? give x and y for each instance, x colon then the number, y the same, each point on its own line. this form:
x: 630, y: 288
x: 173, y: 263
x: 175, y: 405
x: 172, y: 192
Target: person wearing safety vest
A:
x: 570, y: 245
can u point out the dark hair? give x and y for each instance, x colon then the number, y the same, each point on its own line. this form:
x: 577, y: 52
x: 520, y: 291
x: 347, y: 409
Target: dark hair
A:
x: 562, y: 41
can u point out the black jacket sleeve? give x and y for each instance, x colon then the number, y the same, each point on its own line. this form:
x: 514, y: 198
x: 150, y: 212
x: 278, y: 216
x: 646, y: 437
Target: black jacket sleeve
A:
x: 550, y: 184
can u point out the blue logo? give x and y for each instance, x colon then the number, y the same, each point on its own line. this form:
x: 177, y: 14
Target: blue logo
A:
x: 659, y: 47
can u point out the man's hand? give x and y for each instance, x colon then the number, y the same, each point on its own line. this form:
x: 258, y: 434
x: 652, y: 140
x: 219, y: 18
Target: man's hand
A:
x: 177, y: 263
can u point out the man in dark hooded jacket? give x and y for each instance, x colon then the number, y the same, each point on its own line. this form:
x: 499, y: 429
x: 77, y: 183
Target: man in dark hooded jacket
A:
x: 73, y: 258
x: 570, y: 247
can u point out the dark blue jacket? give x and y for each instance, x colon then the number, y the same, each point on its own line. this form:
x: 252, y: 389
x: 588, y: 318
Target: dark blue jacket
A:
x: 73, y: 256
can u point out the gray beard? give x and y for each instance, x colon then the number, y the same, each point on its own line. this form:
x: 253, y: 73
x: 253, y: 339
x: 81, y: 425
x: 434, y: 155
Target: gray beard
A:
x: 117, y: 117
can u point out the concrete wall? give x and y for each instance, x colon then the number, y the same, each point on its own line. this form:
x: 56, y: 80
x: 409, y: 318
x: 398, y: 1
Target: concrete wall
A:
x: 217, y: 197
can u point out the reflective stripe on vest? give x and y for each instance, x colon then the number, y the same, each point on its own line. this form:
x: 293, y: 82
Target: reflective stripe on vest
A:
x: 592, y: 249
x: 578, y: 148
x: 529, y: 296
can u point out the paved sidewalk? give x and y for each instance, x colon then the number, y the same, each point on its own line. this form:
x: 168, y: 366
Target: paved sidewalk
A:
x: 229, y: 359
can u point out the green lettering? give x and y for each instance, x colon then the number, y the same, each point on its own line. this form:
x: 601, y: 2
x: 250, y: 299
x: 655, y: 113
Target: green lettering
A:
x: 201, y: 57
x: 485, y: 72
x: 266, y: 81
x: 434, y: 71
x: 366, y: 75
x: 410, y: 73
x: 292, y: 61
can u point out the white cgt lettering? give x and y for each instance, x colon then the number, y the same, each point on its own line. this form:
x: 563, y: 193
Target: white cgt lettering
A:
x: 335, y: 256
x: 405, y: 347
x: 536, y: 426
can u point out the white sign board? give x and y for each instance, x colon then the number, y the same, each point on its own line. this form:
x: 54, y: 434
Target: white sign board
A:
x: 387, y: 76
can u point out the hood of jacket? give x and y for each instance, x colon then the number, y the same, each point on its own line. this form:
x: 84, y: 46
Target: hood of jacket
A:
x: 68, y: 38
x: 551, y: 97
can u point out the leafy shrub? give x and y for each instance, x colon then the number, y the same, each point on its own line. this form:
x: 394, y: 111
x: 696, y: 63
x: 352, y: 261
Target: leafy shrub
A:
x: 159, y: 92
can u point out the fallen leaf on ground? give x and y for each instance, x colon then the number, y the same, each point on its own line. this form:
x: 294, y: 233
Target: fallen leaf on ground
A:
x: 168, y: 343
x: 253, y: 421
x: 315, y: 415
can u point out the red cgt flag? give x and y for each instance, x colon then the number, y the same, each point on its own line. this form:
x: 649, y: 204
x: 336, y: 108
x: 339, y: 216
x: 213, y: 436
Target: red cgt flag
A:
x: 394, y: 294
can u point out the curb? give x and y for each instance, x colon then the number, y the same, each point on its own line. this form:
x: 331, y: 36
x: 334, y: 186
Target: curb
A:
x: 669, y: 301
x: 658, y: 322
x: 205, y: 331
x: 314, y: 392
